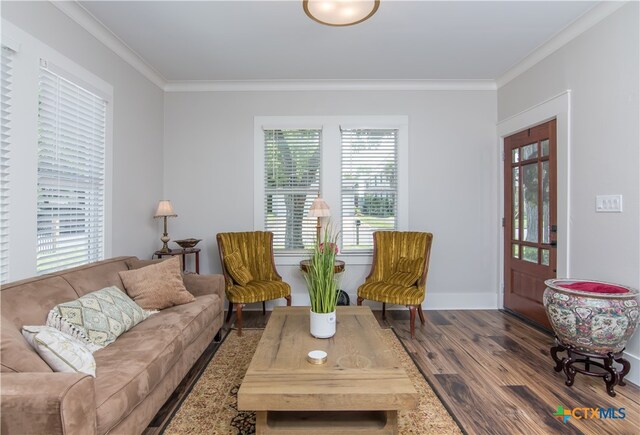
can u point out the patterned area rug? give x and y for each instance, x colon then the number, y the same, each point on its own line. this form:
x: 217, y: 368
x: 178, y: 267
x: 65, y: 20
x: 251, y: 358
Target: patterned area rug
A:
x: 211, y: 407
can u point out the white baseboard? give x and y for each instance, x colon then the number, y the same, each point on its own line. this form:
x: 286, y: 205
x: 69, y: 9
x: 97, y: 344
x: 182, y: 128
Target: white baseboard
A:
x: 461, y: 301
x: 634, y: 375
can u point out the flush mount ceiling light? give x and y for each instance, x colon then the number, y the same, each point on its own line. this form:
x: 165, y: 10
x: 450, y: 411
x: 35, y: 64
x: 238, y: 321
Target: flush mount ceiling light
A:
x: 340, y: 12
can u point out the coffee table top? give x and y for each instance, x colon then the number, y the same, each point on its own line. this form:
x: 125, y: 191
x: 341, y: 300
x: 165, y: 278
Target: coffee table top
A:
x: 361, y: 372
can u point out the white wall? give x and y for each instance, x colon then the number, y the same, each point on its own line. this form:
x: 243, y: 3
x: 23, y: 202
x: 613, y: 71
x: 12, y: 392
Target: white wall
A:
x: 452, y: 184
x: 137, y: 131
x: 601, y: 67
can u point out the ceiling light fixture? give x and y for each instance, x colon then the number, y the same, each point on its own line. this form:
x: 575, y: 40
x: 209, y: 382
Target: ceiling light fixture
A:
x: 340, y: 12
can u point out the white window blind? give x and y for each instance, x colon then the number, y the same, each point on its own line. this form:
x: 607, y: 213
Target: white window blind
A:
x: 6, y: 80
x: 369, y: 185
x: 292, y: 182
x: 71, y: 170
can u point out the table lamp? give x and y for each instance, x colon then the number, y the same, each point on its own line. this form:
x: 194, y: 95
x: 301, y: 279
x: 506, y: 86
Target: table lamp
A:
x: 319, y: 209
x: 165, y: 210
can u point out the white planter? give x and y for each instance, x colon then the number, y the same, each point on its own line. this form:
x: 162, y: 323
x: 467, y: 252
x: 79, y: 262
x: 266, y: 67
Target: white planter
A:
x: 322, y: 325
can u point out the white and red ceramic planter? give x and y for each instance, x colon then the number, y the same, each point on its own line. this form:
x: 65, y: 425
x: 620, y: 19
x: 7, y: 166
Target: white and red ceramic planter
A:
x: 592, y: 316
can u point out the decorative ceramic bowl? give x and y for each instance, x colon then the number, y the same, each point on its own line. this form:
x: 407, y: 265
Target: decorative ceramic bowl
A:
x: 595, y: 317
x: 187, y: 243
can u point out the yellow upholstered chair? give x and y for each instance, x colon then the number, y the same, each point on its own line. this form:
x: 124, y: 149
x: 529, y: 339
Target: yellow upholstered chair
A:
x: 250, y: 271
x: 398, y: 271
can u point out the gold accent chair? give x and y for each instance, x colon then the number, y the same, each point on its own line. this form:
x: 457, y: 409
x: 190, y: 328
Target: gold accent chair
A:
x: 249, y: 271
x: 398, y: 271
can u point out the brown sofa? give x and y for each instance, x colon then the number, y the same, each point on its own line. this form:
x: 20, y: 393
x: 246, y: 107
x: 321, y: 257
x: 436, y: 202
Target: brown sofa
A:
x: 135, y: 375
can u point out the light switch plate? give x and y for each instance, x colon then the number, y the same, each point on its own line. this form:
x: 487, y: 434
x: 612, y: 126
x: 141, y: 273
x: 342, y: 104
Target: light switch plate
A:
x: 608, y: 203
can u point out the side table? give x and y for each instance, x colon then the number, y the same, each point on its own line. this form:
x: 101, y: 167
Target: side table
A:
x: 338, y: 266
x: 181, y: 251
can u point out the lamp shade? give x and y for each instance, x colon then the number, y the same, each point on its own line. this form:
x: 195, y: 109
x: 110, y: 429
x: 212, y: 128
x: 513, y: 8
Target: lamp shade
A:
x: 165, y: 209
x: 319, y: 208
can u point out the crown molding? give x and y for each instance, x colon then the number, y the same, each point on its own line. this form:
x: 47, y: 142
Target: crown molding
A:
x: 91, y: 24
x: 329, y: 85
x: 566, y: 35
x: 95, y: 27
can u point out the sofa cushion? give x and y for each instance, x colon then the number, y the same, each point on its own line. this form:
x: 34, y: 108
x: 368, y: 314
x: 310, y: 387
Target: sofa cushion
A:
x: 15, y: 353
x: 28, y: 302
x: 157, y: 286
x: 131, y: 367
x: 97, y: 318
x: 91, y: 277
x: 192, y: 318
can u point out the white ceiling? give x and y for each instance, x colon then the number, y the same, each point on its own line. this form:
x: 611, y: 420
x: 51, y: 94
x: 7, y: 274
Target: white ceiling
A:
x: 275, y: 40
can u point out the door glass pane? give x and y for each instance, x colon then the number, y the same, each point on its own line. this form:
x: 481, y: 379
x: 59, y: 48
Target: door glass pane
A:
x: 545, y: 257
x: 530, y: 254
x: 515, y: 155
x: 516, y: 203
x: 545, y: 202
x: 515, y: 250
x: 530, y: 199
x: 530, y: 151
x: 545, y: 147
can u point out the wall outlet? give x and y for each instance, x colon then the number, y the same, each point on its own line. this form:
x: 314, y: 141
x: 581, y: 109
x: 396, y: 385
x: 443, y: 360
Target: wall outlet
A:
x: 608, y: 203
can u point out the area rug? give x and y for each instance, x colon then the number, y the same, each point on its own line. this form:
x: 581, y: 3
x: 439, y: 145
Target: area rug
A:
x: 211, y: 406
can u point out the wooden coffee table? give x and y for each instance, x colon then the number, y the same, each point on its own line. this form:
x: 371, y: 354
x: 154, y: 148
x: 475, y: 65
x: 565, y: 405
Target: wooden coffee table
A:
x: 359, y: 389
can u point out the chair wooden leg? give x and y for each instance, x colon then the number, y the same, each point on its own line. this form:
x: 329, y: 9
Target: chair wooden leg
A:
x: 264, y: 309
x: 360, y: 300
x: 239, y: 318
x: 412, y: 319
x: 229, y: 312
x: 384, y: 313
x: 421, y: 313
x: 288, y: 298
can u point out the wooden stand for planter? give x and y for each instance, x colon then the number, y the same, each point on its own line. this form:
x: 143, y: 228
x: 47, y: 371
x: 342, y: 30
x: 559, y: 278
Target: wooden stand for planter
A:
x: 611, y: 375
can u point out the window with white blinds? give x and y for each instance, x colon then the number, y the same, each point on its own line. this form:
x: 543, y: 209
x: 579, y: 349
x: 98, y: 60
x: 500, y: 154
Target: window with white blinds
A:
x: 5, y: 132
x: 292, y: 182
x: 369, y: 185
x: 71, y: 174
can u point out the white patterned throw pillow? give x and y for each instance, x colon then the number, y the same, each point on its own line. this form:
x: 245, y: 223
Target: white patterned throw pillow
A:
x: 62, y: 352
x: 97, y: 318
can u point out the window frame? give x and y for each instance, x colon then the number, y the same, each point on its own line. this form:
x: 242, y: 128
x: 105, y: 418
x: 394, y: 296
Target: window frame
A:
x: 331, y: 169
x: 23, y: 235
x: 5, y: 177
x: 76, y: 81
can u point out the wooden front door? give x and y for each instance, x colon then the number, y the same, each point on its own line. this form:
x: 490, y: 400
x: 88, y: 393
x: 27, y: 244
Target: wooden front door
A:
x: 529, y: 219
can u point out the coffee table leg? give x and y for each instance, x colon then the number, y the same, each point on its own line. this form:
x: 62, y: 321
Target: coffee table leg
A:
x: 392, y: 422
x: 261, y: 422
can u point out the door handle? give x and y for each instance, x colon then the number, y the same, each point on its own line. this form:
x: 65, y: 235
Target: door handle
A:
x: 553, y: 228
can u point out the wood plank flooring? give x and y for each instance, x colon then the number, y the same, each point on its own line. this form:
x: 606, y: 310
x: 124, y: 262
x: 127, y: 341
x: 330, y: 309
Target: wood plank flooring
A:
x: 492, y: 371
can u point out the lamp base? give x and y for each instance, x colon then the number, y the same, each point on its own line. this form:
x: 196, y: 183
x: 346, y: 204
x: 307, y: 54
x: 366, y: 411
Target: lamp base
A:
x: 165, y: 247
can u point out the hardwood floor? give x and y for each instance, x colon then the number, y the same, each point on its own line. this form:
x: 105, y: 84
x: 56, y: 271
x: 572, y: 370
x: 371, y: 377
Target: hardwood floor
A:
x: 492, y: 371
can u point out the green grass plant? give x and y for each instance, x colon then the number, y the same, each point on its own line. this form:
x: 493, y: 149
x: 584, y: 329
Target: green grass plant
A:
x: 320, y: 276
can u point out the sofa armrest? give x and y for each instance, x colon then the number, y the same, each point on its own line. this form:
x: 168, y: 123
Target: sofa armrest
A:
x: 51, y: 403
x: 199, y: 285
